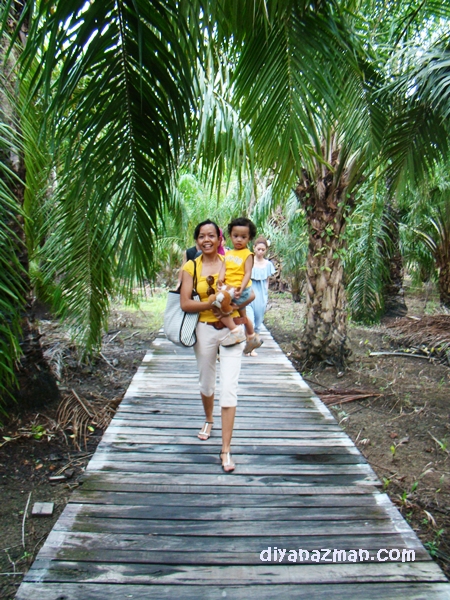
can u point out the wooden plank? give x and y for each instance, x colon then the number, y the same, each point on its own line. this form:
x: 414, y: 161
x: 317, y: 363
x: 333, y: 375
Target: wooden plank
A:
x: 205, y: 500
x: 192, y: 401
x: 234, y: 575
x: 305, y: 440
x: 246, y: 451
x: 222, y: 479
x: 297, y: 429
x: 60, y: 541
x: 341, y: 591
x: 289, y: 390
x: 103, y: 482
x: 197, y: 557
x: 245, y: 412
x: 115, y: 454
x: 260, y: 468
x: 233, y: 529
x: 226, y: 513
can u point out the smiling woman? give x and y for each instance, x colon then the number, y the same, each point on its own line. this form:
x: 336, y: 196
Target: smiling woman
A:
x: 210, y: 334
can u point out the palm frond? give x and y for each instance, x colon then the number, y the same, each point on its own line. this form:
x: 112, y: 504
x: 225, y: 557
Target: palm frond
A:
x: 223, y: 147
x: 79, y: 256
x: 418, y: 132
x: 366, y: 263
x: 123, y: 88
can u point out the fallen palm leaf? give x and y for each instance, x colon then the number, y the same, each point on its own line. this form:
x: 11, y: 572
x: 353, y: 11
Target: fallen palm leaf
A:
x: 429, y: 335
x: 76, y: 415
x: 333, y: 396
x: 81, y: 416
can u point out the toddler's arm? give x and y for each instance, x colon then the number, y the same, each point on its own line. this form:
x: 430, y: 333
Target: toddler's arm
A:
x: 248, y: 273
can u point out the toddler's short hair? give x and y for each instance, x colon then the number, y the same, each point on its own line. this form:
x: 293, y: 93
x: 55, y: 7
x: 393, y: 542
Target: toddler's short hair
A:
x: 243, y: 222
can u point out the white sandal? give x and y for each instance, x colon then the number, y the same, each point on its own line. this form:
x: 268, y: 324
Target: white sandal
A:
x: 228, y: 466
x: 205, y: 432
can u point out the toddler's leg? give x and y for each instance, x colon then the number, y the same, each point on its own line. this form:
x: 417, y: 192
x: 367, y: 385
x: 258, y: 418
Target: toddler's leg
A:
x: 249, y: 325
x: 236, y: 335
x: 228, y: 322
x: 253, y: 339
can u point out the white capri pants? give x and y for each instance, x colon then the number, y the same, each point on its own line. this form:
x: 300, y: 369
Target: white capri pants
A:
x: 208, y: 341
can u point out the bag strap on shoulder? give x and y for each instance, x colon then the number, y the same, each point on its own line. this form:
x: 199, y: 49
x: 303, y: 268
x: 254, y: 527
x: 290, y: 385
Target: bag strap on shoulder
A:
x: 194, y: 288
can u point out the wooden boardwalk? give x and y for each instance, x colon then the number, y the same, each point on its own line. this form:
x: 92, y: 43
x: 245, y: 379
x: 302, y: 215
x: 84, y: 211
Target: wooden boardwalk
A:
x: 157, y: 518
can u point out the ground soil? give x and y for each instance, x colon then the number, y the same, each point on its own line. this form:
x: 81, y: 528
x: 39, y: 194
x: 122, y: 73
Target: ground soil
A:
x: 404, y: 432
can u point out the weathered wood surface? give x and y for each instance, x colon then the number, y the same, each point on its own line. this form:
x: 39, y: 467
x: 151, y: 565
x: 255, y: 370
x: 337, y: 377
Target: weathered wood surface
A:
x: 156, y: 517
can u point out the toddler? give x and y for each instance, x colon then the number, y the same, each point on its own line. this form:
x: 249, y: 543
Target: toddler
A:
x: 236, y: 272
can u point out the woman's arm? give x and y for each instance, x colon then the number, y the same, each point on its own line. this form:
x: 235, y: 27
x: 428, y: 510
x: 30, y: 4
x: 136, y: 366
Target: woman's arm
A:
x: 222, y: 273
x: 180, y: 272
x: 186, y: 302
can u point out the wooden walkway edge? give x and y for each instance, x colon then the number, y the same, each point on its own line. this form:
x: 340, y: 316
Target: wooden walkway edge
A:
x: 157, y: 518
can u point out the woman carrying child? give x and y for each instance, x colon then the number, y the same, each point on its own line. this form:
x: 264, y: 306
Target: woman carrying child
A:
x: 210, y: 335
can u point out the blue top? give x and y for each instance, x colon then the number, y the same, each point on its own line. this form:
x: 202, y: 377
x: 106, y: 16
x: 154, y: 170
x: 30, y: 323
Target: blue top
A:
x: 260, y: 273
x: 257, y: 308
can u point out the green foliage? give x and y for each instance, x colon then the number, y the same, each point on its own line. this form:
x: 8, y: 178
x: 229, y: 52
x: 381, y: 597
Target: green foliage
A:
x: 433, y: 545
x: 426, y: 229
x: 151, y: 308
x: 368, y: 248
x: 288, y: 234
x: 13, y: 286
x: 81, y: 269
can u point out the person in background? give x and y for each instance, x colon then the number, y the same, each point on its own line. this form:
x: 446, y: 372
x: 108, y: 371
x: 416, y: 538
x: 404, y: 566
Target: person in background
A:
x: 262, y: 270
x: 222, y: 249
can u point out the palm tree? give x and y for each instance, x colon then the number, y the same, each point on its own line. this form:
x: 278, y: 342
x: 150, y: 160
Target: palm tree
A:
x: 332, y: 146
x: 24, y: 373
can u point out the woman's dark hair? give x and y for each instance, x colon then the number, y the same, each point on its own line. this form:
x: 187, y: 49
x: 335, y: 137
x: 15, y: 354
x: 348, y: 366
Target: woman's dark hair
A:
x: 207, y: 222
x: 243, y: 222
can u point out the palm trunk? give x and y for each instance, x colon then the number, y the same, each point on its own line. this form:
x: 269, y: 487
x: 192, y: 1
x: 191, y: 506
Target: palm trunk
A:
x: 36, y: 383
x: 444, y: 283
x: 297, y: 282
x: 394, y: 296
x: 325, y: 333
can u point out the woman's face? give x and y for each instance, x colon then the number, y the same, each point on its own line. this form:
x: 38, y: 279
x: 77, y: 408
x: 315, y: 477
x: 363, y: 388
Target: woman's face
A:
x: 260, y: 250
x: 208, y: 240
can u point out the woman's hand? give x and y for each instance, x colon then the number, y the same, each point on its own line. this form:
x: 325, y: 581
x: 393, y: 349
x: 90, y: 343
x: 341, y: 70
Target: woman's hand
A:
x: 218, y: 313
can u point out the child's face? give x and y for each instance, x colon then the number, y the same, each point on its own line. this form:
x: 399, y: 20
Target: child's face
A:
x: 240, y: 236
x: 260, y: 250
